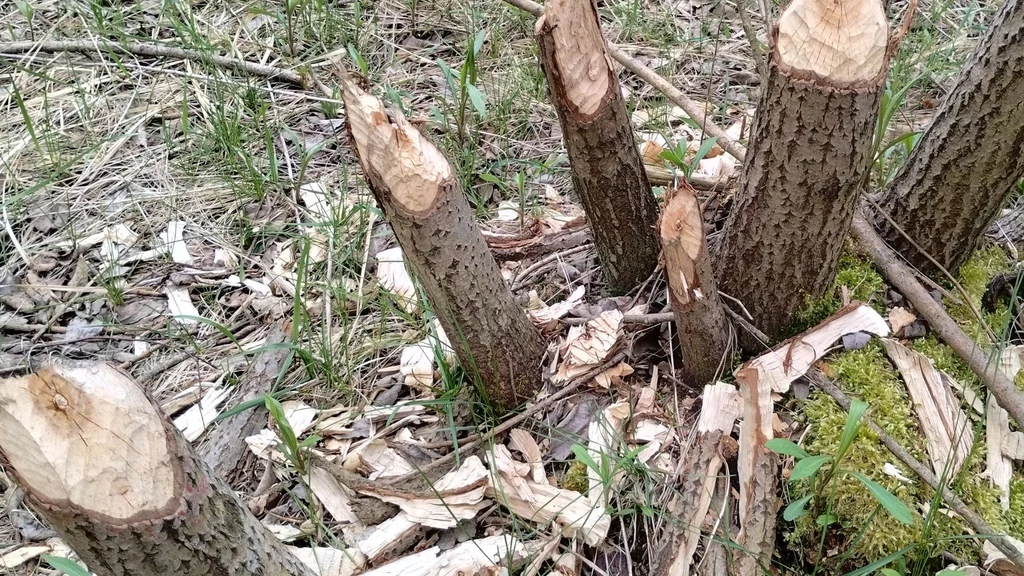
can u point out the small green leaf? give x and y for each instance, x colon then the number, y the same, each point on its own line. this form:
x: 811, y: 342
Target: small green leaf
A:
x: 826, y: 520
x: 892, y: 504
x: 857, y: 409
x: 889, y: 572
x: 478, y: 41
x: 701, y: 153
x: 583, y: 455
x: 478, y: 99
x: 786, y: 448
x: 796, y: 508
x: 66, y: 566
x: 808, y: 466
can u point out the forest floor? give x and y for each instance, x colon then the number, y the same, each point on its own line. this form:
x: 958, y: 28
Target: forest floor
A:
x: 183, y: 220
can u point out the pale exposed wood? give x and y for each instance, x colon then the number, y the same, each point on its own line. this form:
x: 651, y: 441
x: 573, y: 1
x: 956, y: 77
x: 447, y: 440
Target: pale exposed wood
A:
x: 999, y: 465
x: 327, y: 561
x: 947, y: 430
x: 1013, y: 446
x: 788, y: 361
x: 699, y: 471
x: 332, y: 495
x: 543, y: 504
x: 702, y: 328
x: 99, y: 461
x: 480, y: 556
x: 458, y: 495
x: 844, y: 42
x: 580, y: 53
x: 389, y: 538
x: 758, y: 379
x: 442, y: 245
x: 521, y: 441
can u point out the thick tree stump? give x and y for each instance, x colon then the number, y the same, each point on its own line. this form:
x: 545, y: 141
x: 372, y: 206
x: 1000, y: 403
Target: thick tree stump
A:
x: 435, y: 226
x: 699, y: 469
x: 964, y: 167
x: 607, y: 171
x: 704, y: 331
x: 102, y: 464
x: 809, y: 156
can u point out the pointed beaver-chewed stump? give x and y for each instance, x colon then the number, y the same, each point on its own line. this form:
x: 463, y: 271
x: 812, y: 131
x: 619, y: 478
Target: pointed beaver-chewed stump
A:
x: 703, y: 329
x: 435, y: 226
x: 607, y: 171
x: 102, y: 464
x: 809, y: 156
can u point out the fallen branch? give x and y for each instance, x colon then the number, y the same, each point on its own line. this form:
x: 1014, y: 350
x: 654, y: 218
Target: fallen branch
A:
x: 696, y: 112
x: 976, y: 522
x: 487, y: 437
x: 153, y: 51
x: 900, y: 276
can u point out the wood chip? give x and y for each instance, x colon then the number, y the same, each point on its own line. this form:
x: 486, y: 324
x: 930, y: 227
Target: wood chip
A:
x: 395, y: 278
x: 458, y: 495
x: 947, y: 430
x: 327, y: 561
x: 590, y: 344
x: 572, y: 513
x: 332, y: 495
x: 197, y: 418
x: 479, y: 556
x: 180, y: 303
x: 543, y: 314
x: 389, y: 538
x: 900, y: 318
x: 172, y: 241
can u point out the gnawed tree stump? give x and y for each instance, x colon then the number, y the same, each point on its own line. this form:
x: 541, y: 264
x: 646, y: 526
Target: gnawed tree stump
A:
x: 434, y: 223
x: 704, y: 331
x: 102, y: 464
x: 964, y: 167
x: 699, y: 470
x: 607, y: 171
x: 809, y: 156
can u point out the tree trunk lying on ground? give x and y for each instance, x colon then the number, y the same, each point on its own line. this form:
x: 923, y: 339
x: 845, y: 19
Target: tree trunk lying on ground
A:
x: 99, y: 461
x: 699, y: 470
x: 704, y: 331
x: 436, y: 228
x: 964, y: 167
x: 809, y: 156
x: 607, y: 171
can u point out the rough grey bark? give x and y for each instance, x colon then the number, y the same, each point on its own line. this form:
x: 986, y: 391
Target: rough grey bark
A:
x: 809, y: 155
x: 222, y: 449
x: 423, y: 201
x: 703, y: 330
x: 964, y: 167
x: 607, y: 171
x: 201, y: 529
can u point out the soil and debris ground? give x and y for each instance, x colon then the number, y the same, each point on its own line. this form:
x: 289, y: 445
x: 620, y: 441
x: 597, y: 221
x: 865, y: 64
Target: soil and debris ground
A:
x: 169, y: 215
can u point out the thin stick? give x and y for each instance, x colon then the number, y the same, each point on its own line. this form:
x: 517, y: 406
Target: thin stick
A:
x: 566, y: 391
x: 153, y: 51
x: 900, y: 276
x: 692, y: 109
x: 976, y: 522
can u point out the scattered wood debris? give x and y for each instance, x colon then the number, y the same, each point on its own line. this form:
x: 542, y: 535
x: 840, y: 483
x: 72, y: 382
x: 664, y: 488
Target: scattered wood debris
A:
x: 947, y: 430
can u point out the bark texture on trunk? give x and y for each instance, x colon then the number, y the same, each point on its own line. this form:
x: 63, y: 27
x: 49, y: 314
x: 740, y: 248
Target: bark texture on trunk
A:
x: 704, y: 333
x: 607, y: 171
x: 965, y: 165
x: 436, y: 228
x: 809, y: 155
x: 699, y: 470
x: 101, y: 463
